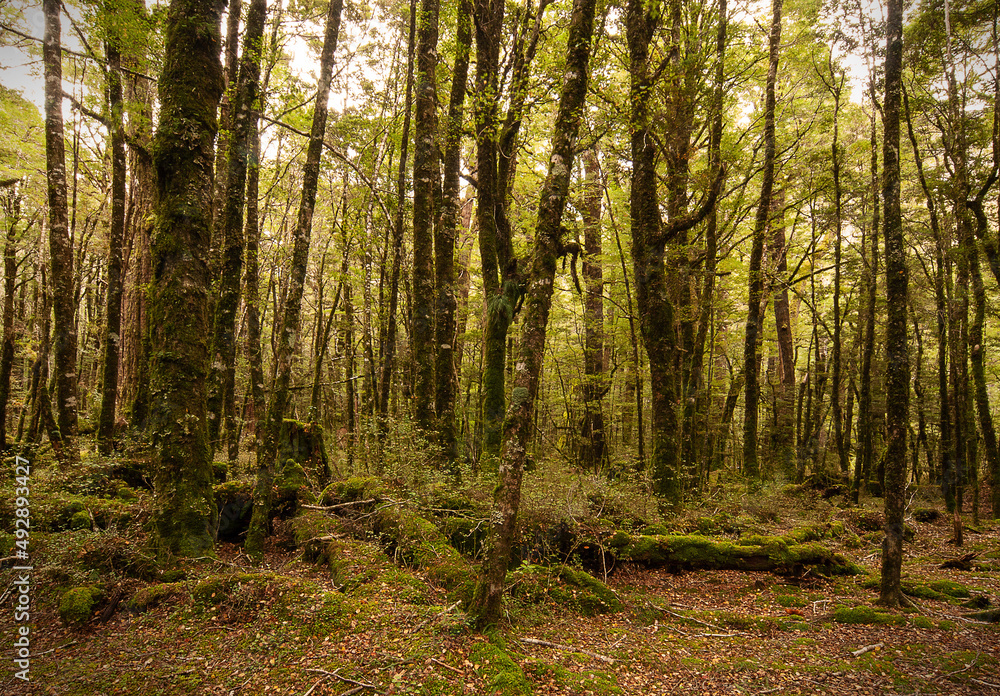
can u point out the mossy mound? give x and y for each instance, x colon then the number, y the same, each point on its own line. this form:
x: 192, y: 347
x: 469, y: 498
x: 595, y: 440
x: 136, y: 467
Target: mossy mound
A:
x: 866, y: 615
x: 418, y: 543
x: 112, y: 553
x: 755, y: 553
x: 291, y: 489
x: 351, y: 490
x: 950, y: 589
x: 76, y: 606
x: 61, y: 512
x: 926, y: 515
x: 569, y: 587
x: 501, y: 675
x: 304, y: 443
x: 152, y: 596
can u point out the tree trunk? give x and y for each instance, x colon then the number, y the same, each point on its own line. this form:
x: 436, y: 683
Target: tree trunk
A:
x: 783, y: 441
x: 116, y: 234
x: 445, y: 236
x: 190, y: 86
x: 389, y: 352
x: 251, y: 284
x: 548, y: 247
x: 11, y: 201
x: 231, y: 243
x: 426, y: 189
x: 897, y: 381
x: 756, y: 290
x: 60, y: 241
x: 292, y: 304
x: 592, y: 431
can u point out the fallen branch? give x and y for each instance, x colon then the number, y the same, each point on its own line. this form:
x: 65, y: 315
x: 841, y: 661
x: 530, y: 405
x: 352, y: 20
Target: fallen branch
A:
x: 867, y: 649
x: 447, y: 666
x: 568, y: 648
x: 363, y: 685
x: 681, y: 616
x: 327, y: 508
x: 985, y: 683
x: 58, y: 647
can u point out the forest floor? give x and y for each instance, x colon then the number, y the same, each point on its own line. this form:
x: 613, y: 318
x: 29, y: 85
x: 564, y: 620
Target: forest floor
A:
x: 228, y: 627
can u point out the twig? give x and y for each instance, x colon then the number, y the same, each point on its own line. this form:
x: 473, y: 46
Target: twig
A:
x: 985, y: 683
x: 353, y: 503
x: 867, y: 649
x: 436, y: 616
x: 58, y: 647
x: 342, y: 678
x: 447, y: 666
x: 681, y: 616
x: 355, y: 690
x: 568, y: 648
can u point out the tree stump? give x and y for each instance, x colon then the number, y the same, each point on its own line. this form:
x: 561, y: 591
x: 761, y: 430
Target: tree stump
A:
x: 303, y: 443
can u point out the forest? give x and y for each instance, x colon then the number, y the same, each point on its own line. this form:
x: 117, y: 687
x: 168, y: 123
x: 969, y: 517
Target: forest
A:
x: 500, y: 346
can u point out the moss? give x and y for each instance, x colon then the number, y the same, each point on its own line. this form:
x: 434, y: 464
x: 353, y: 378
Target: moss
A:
x: 866, y: 615
x: 951, y: 589
x: 922, y: 622
x: 947, y: 625
x: 990, y: 616
x: 502, y: 676
x: 124, y: 492
x: 76, y: 605
x: 789, y: 601
x: 565, y: 586
x: 152, y: 596
x: 220, y: 472
x: 920, y: 590
x: 173, y: 575
x: 80, y: 520
x: 352, y: 490
x: 466, y: 534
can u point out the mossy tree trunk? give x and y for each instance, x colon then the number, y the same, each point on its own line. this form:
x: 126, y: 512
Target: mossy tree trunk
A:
x: 388, y: 344
x: 783, y: 437
x: 223, y: 375
x: 756, y: 290
x: 291, y: 307
x: 426, y: 194
x: 897, y: 278
x: 116, y: 234
x: 190, y: 86
x: 650, y: 236
x: 518, y: 425
x: 60, y: 242
x: 592, y: 430
x: 10, y: 199
x: 445, y: 237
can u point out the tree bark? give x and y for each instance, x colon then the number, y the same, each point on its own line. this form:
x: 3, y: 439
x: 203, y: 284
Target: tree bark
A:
x: 897, y: 379
x: 592, y: 430
x: 116, y: 234
x: 783, y: 439
x: 290, y: 321
x: 190, y: 86
x: 756, y: 289
x: 60, y: 241
x: 548, y: 247
x: 11, y: 201
x: 426, y: 189
x: 445, y: 236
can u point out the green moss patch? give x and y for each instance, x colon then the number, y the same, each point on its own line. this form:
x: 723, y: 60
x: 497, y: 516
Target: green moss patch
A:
x: 951, y: 589
x: 565, y: 586
x: 501, y: 675
x: 154, y: 595
x: 76, y: 606
x: 866, y: 615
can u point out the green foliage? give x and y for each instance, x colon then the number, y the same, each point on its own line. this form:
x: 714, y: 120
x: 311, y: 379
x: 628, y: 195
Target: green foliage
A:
x: 565, y: 586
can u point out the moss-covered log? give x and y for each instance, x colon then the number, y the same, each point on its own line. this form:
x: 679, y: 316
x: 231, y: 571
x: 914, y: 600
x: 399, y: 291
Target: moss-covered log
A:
x: 695, y: 552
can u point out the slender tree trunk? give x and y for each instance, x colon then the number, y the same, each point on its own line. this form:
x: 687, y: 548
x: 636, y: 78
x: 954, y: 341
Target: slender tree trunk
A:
x: 251, y: 288
x: 389, y: 354
x: 60, y: 241
x: 116, y: 234
x: 445, y: 236
x: 783, y: 449
x: 835, y: 88
x: 426, y: 187
x: 592, y: 431
x: 191, y: 83
x: 290, y: 322
x: 548, y: 247
x: 897, y: 357
x: 11, y: 200
x: 756, y: 291
x: 231, y: 243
